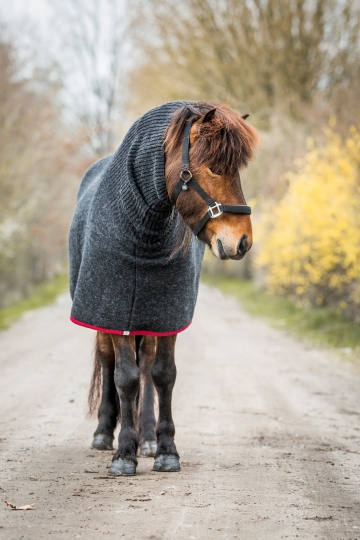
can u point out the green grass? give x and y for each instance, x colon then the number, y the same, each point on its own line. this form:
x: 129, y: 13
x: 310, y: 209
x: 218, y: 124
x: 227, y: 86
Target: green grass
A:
x: 41, y: 295
x: 319, y: 325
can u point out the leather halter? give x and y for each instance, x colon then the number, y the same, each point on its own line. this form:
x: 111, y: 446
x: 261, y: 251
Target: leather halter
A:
x: 215, y: 209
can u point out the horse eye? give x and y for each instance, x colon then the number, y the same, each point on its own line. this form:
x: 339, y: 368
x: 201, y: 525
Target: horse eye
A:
x: 216, y: 173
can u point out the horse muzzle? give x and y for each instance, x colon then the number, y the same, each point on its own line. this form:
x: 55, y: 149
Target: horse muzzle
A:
x: 224, y: 251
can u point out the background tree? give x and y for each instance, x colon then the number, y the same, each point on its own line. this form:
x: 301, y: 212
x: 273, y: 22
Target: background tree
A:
x: 89, y: 45
x: 39, y: 161
x: 261, y: 54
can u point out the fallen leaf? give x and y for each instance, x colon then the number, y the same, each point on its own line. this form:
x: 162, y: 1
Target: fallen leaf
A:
x: 90, y: 471
x: 14, y: 507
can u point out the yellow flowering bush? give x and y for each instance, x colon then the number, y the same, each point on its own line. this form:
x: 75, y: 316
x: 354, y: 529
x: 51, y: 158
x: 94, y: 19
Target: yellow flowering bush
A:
x: 310, y: 240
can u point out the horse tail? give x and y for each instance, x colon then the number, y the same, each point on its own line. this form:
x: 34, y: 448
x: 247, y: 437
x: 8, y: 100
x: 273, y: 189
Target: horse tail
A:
x: 94, y: 396
x: 103, y: 346
x: 137, y: 348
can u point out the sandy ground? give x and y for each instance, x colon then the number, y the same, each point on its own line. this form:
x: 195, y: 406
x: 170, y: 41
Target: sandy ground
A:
x: 267, y: 428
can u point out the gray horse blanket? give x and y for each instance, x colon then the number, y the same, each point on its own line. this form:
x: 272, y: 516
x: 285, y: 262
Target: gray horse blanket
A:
x: 124, y: 278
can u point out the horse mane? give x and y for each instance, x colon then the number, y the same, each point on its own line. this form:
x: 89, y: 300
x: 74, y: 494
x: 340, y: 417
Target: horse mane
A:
x: 226, y: 144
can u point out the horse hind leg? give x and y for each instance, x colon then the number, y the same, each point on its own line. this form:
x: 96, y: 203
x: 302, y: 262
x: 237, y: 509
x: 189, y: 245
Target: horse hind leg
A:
x: 146, y: 357
x: 103, y: 383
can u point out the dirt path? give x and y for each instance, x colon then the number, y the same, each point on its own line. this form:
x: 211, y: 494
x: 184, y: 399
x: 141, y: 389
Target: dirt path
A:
x: 267, y: 428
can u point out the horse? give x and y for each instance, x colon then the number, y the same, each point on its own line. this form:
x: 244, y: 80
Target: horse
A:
x: 203, y: 147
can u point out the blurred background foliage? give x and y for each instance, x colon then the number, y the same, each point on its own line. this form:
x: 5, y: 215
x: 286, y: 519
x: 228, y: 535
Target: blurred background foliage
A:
x: 314, y: 229
x: 37, y: 176
x: 292, y: 64
x: 296, y: 56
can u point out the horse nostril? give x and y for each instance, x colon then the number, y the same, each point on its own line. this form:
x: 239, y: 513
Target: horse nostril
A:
x: 221, y: 250
x: 243, y: 245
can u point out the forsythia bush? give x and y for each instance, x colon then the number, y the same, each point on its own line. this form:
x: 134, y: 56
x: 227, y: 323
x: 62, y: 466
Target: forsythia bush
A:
x: 310, y: 241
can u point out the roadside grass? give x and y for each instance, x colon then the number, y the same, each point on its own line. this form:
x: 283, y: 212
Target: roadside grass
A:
x: 319, y: 325
x: 40, y: 295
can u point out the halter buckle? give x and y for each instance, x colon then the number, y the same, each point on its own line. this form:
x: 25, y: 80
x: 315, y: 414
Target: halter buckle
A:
x: 217, y: 207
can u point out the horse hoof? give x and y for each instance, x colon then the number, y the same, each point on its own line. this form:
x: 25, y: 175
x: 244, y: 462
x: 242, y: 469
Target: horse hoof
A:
x: 102, y: 442
x: 148, y: 448
x: 122, y: 467
x: 166, y: 463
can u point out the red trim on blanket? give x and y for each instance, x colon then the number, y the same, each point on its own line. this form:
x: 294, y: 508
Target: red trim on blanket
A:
x: 132, y: 332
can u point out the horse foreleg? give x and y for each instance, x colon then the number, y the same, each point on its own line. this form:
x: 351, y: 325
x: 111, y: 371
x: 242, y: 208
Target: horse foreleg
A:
x: 164, y: 376
x: 147, y: 419
x: 109, y: 407
x: 127, y: 380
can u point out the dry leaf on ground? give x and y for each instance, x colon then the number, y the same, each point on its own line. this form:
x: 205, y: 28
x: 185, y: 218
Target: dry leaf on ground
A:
x: 14, y: 507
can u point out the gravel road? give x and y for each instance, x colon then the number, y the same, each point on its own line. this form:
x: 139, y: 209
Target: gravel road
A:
x: 267, y: 427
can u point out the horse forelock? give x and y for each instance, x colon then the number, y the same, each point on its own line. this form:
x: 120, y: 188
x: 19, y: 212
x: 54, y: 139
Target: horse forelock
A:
x: 225, y: 144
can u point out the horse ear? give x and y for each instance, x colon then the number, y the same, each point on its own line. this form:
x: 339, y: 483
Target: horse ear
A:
x: 245, y: 116
x: 195, y: 128
x: 207, y: 117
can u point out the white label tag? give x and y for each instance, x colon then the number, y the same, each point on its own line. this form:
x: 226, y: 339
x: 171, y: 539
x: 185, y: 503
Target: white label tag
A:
x: 126, y: 333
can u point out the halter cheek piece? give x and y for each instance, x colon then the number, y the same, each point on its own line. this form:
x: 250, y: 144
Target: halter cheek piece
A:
x: 215, y: 209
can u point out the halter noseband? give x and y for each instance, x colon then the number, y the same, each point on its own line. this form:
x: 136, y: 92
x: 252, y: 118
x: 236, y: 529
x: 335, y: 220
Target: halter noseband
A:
x: 215, y: 209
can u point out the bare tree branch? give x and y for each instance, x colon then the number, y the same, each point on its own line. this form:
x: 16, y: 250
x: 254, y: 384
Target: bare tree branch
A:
x: 92, y: 42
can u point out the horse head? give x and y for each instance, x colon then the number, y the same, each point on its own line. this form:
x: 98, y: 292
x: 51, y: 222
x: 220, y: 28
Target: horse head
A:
x: 220, y: 143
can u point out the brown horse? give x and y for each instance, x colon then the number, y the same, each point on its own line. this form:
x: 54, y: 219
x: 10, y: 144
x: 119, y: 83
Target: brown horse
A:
x: 128, y: 368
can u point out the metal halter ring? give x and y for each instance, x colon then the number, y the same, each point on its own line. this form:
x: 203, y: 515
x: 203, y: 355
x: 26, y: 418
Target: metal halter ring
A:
x: 215, y: 206
x: 186, y: 180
